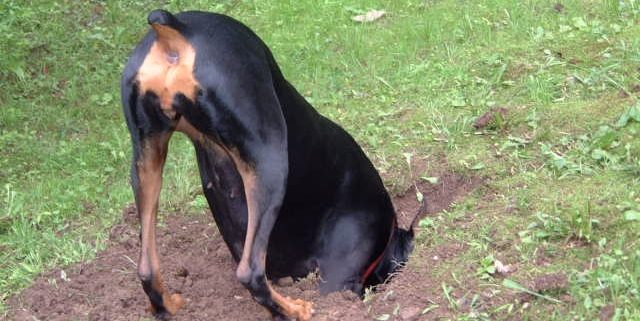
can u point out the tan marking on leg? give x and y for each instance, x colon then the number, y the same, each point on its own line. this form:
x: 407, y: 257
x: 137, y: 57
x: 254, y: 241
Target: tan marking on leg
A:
x: 248, y: 175
x: 185, y: 126
x: 298, y: 309
x: 149, y: 169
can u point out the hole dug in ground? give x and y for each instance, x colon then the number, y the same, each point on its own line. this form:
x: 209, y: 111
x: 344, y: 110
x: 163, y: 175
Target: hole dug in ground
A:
x: 197, y: 263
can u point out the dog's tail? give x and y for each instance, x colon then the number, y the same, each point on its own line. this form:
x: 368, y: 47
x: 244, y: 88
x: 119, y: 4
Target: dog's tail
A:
x: 161, y: 17
x: 396, y: 254
x: 168, y: 28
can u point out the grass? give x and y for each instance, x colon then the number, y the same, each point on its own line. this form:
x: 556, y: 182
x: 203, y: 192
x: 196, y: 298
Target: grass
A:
x: 563, y: 163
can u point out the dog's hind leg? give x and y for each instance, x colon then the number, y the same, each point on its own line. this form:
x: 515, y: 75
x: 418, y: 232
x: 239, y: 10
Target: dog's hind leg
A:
x: 150, y: 132
x: 148, y: 169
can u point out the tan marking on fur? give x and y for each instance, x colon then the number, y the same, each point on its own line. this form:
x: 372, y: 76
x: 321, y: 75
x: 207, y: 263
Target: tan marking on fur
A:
x: 185, y: 126
x: 150, y: 167
x: 298, y: 309
x: 168, y: 68
x: 248, y: 175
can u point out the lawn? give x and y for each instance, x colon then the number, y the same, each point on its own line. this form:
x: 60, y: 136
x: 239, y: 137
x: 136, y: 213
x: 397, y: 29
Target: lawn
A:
x: 559, y: 162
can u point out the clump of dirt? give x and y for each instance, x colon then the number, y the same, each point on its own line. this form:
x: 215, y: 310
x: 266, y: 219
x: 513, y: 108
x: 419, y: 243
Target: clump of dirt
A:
x: 491, y: 117
x: 196, y: 262
x: 551, y: 282
x: 607, y: 313
x: 625, y: 94
x: 448, y: 251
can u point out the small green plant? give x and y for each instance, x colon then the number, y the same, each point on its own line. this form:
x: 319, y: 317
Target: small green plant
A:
x: 631, y: 208
x: 486, y: 267
x: 562, y: 163
x: 548, y: 227
x: 632, y: 114
x: 545, y: 227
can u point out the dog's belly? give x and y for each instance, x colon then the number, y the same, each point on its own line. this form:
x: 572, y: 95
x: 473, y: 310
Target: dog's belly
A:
x: 223, y: 189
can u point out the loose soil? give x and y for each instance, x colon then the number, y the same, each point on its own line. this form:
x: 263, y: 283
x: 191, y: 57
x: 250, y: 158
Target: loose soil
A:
x: 196, y: 263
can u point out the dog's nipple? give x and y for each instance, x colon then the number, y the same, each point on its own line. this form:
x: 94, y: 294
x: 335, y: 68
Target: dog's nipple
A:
x: 173, y: 57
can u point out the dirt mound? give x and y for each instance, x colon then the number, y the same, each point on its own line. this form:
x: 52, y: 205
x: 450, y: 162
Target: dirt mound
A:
x: 197, y: 263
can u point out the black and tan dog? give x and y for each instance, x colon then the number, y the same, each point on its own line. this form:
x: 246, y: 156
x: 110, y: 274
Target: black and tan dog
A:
x: 290, y: 191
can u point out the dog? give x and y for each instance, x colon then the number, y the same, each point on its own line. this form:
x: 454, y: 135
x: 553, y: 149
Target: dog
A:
x: 290, y: 191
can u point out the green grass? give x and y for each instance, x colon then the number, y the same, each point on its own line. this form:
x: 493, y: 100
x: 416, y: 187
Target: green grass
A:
x: 564, y: 161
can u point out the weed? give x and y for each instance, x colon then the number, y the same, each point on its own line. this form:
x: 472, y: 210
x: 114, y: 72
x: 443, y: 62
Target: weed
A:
x: 486, y: 267
x: 549, y: 227
x: 582, y: 223
x: 446, y: 290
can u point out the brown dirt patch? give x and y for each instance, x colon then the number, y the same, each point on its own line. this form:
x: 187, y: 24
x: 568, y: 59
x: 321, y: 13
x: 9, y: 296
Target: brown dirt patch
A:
x: 550, y: 282
x: 449, y: 188
x: 197, y: 263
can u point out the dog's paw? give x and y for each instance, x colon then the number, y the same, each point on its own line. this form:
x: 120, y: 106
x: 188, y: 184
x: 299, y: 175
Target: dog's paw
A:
x: 162, y: 316
x: 170, y: 306
x: 300, y: 310
x: 176, y: 302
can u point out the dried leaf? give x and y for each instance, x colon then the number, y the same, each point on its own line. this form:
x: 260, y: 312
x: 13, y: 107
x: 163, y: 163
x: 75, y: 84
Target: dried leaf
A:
x: 503, y: 269
x: 430, y: 180
x: 383, y: 317
x: 370, y: 16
